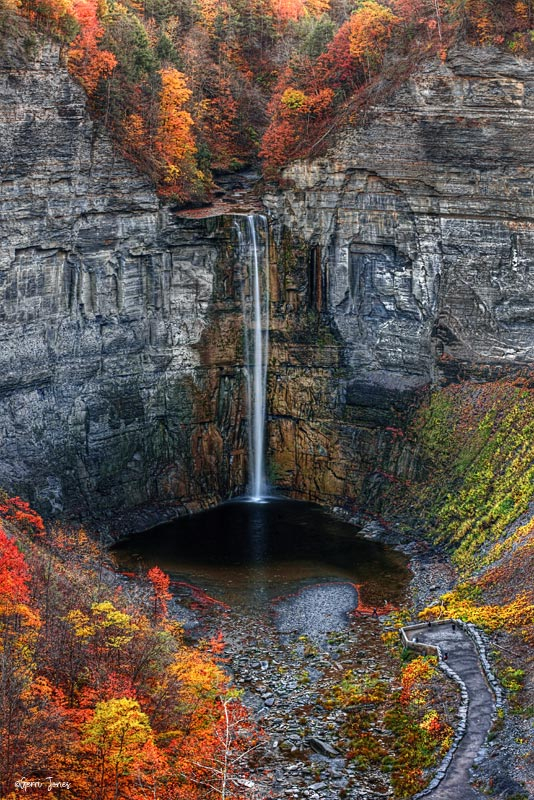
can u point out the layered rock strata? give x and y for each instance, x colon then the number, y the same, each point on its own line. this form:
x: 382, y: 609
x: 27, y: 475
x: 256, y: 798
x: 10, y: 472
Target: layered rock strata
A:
x: 120, y: 325
x: 402, y: 258
x: 416, y: 237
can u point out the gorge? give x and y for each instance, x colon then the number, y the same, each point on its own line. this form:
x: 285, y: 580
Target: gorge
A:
x: 395, y: 265
x: 399, y: 265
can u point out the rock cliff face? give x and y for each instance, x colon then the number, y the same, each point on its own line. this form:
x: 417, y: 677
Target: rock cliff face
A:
x: 120, y: 326
x: 416, y: 237
x: 402, y: 258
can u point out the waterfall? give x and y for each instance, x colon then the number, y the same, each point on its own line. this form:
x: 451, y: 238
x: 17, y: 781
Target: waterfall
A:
x: 254, y: 252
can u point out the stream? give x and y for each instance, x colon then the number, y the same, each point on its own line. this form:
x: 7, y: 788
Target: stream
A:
x: 297, y: 595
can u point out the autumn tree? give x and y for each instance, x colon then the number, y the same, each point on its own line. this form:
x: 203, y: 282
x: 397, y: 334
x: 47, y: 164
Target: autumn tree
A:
x: 55, y: 16
x: 294, y: 114
x: 160, y: 587
x: 87, y: 62
x: 102, y: 693
x: 371, y: 27
x: 337, y: 67
x: 19, y: 511
x: 113, y: 740
x: 291, y: 10
x: 14, y: 574
x: 235, y: 738
x: 97, y: 642
x: 19, y: 625
x: 174, y: 141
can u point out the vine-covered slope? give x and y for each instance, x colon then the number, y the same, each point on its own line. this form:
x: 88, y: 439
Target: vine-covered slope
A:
x: 473, y: 498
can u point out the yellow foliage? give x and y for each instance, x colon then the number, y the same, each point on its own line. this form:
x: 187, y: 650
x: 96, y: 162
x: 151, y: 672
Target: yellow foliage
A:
x: 118, y: 731
x: 105, y: 618
x: 415, y: 677
x: 201, y: 679
x: 80, y: 623
x: 293, y: 98
x: 517, y: 614
x: 371, y: 27
x: 317, y: 7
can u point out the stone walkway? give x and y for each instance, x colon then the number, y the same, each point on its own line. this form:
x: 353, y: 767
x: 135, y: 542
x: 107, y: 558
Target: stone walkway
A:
x: 463, y: 659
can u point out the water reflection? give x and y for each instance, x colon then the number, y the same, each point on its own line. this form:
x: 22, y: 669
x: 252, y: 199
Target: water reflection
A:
x: 245, y: 554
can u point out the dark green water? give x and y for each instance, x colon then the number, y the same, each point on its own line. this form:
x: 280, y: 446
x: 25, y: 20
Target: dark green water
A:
x: 245, y: 554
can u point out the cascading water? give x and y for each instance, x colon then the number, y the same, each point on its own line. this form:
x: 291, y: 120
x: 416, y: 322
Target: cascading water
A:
x: 254, y: 250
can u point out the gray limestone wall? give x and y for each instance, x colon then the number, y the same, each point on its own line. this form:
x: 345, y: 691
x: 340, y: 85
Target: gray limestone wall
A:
x: 416, y: 239
x: 115, y: 390
x: 423, y: 213
x: 403, y: 257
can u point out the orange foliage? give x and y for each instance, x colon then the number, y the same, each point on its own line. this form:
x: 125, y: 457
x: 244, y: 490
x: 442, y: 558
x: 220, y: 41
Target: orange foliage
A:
x: 414, y: 677
x: 294, y: 114
x: 174, y: 140
x: 288, y: 10
x: 14, y: 575
x: 19, y: 629
x: 160, y: 585
x: 523, y: 12
x: 371, y: 27
x: 317, y: 7
x: 86, y: 61
x: 100, y: 695
x: 55, y: 15
x: 337, y: 67
x: 278, y: 143
x: 134, y: 134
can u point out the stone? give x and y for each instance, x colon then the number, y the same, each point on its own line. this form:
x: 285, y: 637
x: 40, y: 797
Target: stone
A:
x: 322, y: 747
x: 121, y: 382
x: 409, y: 242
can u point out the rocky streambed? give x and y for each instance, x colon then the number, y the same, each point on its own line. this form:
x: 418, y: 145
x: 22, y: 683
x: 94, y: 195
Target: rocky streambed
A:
x: 302, y: 602
x: 287, y: 663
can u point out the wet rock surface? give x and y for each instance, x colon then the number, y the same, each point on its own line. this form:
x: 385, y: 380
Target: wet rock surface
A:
x: 120, y: 327
x: 404, y: 261
x: 285, y: 674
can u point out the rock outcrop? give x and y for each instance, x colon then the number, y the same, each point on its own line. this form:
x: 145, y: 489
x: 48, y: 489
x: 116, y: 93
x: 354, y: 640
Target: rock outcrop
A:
x: 402, y: 258
x: 416, y: 237
x: 120, y: 325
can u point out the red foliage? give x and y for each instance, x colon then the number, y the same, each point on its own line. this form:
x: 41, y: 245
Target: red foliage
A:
x: 14, y: 575
x: 86, y: 61
x: 19, y: 511
x: 337, y: 67
x: 160, y: 585
x: 295, y: 114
